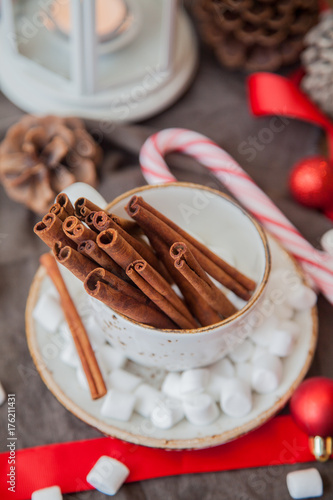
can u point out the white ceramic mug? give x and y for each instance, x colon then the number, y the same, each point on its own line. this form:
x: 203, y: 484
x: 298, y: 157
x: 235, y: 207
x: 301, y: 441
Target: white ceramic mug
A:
x: 227, y: 229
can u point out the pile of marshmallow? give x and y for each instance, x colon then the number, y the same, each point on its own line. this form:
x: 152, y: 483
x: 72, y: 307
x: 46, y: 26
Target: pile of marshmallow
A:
x: 199, y: 395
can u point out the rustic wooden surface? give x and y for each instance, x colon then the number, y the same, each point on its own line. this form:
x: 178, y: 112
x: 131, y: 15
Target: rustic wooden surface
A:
x: 215, y: 105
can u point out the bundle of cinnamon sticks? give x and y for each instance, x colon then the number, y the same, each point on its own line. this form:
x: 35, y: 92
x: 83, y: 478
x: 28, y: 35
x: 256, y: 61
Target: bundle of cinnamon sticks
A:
x: 111, y: 256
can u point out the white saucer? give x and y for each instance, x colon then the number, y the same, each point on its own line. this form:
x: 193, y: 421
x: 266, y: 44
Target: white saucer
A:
x: 62, y: 381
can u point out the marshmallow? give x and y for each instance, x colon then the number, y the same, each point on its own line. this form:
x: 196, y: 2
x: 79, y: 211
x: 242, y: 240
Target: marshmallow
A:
x: 147, y: 397
x: 261, y: 334
x: 69, y: 355
x: 3, y: 395
x: 200, y: 409
x: 118, y: 405
x: 292, y: 327
x: 302, y: 298
x: 51, y: 493
x: 214, y: 386
x: 327, y: 242
x: 266, y: 374
x: 171, y: 385
x: 261, y: 337
x: 282, y: 343
x: 50, y: 288
x: 104, y: 367
x: 257, y: 353
x: 108, y: 475
x: 108, y: 359
x: 64, y: 332
x: 306, y: 483
x: 244, y: 371
x: 224, y: 368
x: 111, y: 358
x: 242, y: 352
x: 193, y: 381
x: 95, y: 334
x: 48, y: 313
x: 167, y: 413
x: 124, y: 381
x: 236, y: 398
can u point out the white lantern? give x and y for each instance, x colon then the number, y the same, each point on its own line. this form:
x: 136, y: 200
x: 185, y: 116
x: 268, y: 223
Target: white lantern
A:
x: 116, y: 60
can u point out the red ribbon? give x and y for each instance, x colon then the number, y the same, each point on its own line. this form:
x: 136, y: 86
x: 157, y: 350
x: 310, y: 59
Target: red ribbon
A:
x: 279, y: 441
x: 271, y: 94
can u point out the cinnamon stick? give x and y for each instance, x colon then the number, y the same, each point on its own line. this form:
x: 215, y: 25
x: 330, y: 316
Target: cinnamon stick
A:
x: 103, y: 221
x: 77, y: 231
x: 75, y: 262
x: 83, y: 207
x: 117, y: 247
x: 65, y: 203
x: 100, y: 274
x: 149, y: 221
x: 49, y: 229
x: 112, y: 242
x: 70, y: 223
x: 62, y: 207
x: 113, y: 293
x: 130, y: 226
x: 81, y: 340
x: 198, y: 306
x: 137, y: 271
x: 83, y: 204
x: 58, y: 211
x: 90, y: 249
x: 186, y: 263
x: 89, y: 220
x: 82, y: 213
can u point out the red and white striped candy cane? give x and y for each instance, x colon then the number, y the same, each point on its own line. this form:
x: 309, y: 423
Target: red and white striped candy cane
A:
x: 317, y: 264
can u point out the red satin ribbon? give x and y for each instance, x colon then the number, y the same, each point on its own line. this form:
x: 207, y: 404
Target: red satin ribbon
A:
x: 271, y: 94
x: 279, y: 441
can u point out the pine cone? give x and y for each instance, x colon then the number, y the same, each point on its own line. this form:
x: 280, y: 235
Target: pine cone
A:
x: 257, y: 35
x: 41, y: 156
x: 317, y: 60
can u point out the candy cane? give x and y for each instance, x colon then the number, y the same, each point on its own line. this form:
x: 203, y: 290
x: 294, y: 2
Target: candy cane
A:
x: 317, y: 264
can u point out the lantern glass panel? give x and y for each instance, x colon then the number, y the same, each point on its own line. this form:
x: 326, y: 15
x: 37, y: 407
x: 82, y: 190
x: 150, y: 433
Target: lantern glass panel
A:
x: 130, y: 56
x: 37, y: 37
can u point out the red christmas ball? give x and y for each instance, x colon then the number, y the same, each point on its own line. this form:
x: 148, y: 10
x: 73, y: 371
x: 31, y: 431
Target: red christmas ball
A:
x: 311, y: 406
x: 311, y: 182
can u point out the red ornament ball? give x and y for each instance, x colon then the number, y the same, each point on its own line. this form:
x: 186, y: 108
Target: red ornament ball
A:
x: 311, y: 182
x: 311, y: 406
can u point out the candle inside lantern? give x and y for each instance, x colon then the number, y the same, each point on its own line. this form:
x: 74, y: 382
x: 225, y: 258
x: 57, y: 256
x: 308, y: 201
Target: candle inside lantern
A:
x: 110, y: 17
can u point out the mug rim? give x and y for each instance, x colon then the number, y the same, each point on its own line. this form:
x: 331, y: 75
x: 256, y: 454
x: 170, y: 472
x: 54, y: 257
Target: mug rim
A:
x: 263, y: 237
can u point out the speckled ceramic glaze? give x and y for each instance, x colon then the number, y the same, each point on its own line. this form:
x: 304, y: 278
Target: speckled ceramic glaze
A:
x: 226, y: 228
